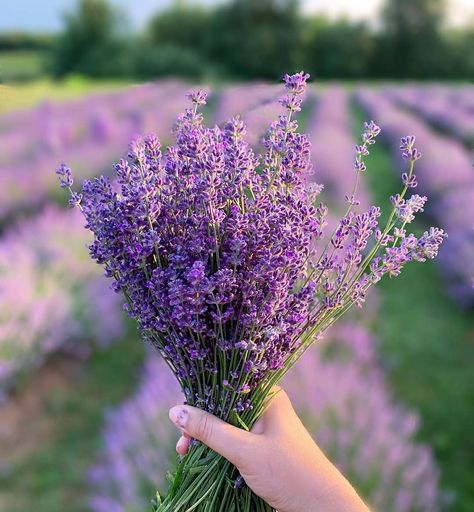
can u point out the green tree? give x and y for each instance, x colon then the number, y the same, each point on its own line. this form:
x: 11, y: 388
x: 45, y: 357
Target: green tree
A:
x: 256, y: 39
x: 89, y: 42
x: 410, y: 42
x: 338, y: 49
x: 181, y: 25
x: 460, y: 44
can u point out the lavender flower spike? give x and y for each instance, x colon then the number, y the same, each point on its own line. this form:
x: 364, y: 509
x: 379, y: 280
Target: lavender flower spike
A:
x: 65, y: 176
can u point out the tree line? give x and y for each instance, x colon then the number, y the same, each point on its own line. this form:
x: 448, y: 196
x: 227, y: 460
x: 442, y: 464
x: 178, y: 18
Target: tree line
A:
x: 261, y: 39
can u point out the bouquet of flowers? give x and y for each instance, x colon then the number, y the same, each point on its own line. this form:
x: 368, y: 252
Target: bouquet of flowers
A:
x: 215, y: 248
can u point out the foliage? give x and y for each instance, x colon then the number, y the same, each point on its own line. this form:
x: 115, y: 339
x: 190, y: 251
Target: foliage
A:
x: 248, y: 39
x: 88, y: 42
x: 181, y: 25
x: 17, y: 41
x: 410, y: 43
x: 255, y: 39
x: 151, y: 62
x: 20, y: 65
x: 336, y: 48
x: 459, y: 45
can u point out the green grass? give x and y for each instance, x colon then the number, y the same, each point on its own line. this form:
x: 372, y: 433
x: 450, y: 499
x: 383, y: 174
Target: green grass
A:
x: 53, y: 478
x: 26, y: 95
x: 20, y: 65
x: 427, y: 343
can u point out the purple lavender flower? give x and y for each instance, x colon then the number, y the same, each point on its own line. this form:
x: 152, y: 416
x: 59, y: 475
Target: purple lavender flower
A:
x: 65, y: 176
x: 216, y: 250
x: 198, y: 97
x: 296, y: 84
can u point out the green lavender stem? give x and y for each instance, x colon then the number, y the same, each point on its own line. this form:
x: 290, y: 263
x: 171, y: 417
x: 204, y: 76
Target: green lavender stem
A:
x: 204, y: 482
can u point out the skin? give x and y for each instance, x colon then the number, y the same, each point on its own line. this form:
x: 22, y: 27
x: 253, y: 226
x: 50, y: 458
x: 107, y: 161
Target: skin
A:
x: 278, y: 459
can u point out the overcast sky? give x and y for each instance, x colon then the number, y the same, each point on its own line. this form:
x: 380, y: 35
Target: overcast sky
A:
x: 45, y: 15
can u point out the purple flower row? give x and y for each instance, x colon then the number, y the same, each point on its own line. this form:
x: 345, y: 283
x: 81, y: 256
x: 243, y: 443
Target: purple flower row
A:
x: 52, y: 297
x: 447, y: 174
x: 87, y: 132
x: 333, y: 149
x: 446, y: 108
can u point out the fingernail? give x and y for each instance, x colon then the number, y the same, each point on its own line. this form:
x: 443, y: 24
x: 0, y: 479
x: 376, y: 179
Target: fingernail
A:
x: 179, y: 416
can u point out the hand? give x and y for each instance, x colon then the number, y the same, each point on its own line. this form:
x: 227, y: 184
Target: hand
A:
x: 278, y: 459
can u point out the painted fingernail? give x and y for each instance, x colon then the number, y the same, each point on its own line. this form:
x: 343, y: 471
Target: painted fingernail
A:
x: 179, y: 416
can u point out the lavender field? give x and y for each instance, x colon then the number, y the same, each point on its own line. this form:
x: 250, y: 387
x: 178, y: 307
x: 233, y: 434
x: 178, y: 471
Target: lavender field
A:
x: 387, y: 394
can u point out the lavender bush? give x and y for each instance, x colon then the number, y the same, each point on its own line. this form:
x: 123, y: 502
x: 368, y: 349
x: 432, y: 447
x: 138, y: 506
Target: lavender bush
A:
x: 450, y: 111
x: 51, y: 296
x: 213, y: 247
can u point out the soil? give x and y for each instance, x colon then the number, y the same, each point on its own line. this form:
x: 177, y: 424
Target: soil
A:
x: 25, y: 423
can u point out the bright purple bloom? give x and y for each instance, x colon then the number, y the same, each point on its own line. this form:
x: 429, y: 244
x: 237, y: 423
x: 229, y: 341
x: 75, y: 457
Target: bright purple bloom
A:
x: 198, y: 97
x: 209, y: 243
x: 216, y: 250
x: 65, y: 176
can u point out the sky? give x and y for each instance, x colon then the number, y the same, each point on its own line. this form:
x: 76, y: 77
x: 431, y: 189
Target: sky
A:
x: 45, y: 15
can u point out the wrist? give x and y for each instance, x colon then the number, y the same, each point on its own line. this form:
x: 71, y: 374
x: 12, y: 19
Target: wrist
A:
x: 329, y: 491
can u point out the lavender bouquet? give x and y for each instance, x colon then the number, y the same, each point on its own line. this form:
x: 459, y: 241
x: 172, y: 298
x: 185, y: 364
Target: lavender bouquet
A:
x: 216, y: 251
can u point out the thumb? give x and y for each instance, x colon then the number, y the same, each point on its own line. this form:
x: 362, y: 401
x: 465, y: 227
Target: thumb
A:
x: 229, y: 441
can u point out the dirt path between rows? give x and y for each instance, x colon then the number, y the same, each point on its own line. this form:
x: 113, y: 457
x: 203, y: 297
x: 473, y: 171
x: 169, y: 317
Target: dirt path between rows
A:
x: 25, y: 424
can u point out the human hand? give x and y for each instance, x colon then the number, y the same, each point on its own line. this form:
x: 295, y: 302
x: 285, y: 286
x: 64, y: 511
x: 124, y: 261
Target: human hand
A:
x: 278, y: 459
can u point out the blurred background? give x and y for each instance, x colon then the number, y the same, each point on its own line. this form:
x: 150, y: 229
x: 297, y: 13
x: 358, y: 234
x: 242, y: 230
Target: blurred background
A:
x: 389, y: 393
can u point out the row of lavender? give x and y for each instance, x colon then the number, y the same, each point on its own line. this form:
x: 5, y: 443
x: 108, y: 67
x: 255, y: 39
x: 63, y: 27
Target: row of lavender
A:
x: 450, y: 109
x: 52, y: 297
x: 89, y: 133
x: 446, y: 175
x: 340, y: 393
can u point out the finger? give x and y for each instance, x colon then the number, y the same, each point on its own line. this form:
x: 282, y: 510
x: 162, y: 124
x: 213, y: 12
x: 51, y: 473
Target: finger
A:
x: 231, y: 442
x: 182, y: 446
x: 258, y: 427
